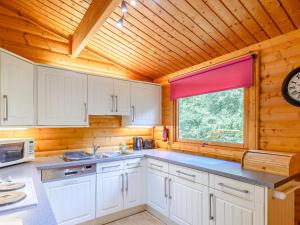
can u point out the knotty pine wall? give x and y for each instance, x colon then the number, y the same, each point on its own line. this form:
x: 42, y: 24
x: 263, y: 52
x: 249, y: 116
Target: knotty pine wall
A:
x: 105, y: 131
x: 26, y: 38
x: 279, y: 121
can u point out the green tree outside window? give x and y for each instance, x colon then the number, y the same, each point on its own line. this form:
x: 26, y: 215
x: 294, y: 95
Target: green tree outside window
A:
x: 216, y: 117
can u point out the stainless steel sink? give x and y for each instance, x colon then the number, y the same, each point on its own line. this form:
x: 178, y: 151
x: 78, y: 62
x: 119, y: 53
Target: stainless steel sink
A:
x: 75, y: 156
x: 112, y: 154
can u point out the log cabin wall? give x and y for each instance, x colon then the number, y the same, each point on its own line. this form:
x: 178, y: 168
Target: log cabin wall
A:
x: 279, y: 121
x: 25, y: 38
x: 105, y: 131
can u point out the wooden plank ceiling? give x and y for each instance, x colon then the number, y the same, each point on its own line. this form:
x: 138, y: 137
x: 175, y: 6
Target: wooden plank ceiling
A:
x: 163, y: 36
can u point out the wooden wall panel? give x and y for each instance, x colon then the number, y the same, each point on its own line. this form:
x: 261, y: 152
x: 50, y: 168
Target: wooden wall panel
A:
x: 23, y: 37
x: 105, y: 131
x: 279, y: 121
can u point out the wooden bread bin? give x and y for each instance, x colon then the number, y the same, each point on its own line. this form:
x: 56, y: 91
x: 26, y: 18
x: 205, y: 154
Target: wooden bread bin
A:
x: 279, y: 163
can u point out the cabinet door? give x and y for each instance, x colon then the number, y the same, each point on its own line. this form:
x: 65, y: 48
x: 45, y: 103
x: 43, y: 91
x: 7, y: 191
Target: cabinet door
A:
x: 101, y: 95
x: 188, y: 202
x: 110, y: 190
x: 230, y: 210
x: 17, y: 101
x: 62, y: 97
x: 157, y: 197
x: 133, y: 187
x: 122, y: 97
x: 145, y: 103
x: 72, y: 200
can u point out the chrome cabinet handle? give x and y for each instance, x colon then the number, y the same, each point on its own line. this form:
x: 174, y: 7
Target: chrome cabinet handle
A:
x: 155, y: 165
x: 126, y: 181
x: 122, y: 177
x: 133, y: 113
x: 186, y: 174
x: 85, y: 112
x: 133, y: 165
x: 170, y: 180
x: 166, y: 179
x: 116, y: 96
x: 233, y: 188
x: 211, y: 203
x: 112, y: 103
x: 109, y: 167
x: 152, y: 164
x: 5, y: 97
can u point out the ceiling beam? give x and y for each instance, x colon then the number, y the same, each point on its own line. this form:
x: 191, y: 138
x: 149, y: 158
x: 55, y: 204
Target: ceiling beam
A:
x: 93, y: 19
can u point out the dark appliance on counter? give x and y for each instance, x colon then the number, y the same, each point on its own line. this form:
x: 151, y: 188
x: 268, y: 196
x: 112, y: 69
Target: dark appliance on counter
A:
x: 137, y: 143
x: 149, y: 144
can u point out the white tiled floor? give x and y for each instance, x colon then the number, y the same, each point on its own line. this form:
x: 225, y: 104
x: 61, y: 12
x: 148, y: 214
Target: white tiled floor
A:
x: 143, y: 218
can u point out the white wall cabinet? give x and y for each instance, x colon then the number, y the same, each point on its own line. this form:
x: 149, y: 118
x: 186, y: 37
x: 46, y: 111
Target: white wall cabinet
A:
x: 145, y: 105
x: 72, y: 200
x: 62, y: 97
x: 108, y: 96
x: 17, y: 91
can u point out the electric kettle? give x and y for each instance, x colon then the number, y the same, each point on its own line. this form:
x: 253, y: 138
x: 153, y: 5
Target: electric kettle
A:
x: 137, y: 143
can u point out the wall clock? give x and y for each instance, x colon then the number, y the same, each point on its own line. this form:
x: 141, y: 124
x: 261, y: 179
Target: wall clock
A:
x: 291, y: 87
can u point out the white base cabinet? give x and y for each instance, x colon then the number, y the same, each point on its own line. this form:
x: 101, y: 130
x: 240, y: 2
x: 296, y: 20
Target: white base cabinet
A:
x: 188, y: 202
x: 134, y: 187
x: 190, y: 197
x: 109, y: 193
x: 72, y: 200
x: 236, y: 203
x: 157, y: 196
x: 120, y: 186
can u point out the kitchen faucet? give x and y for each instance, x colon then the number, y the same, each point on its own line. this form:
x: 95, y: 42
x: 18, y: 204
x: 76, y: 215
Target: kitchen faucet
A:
x: 95, y: 148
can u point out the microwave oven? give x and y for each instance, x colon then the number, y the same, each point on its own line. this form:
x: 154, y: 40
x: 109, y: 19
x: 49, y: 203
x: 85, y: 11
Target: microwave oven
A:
x: 16, y: 150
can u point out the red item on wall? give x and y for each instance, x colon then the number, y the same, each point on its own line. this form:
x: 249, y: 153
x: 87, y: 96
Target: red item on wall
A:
x: 236, y: 73
x: 165, y: 134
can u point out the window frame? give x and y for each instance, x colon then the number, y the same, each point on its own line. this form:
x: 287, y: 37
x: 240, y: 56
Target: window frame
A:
x: 215, y: 143
x: 251, y: 121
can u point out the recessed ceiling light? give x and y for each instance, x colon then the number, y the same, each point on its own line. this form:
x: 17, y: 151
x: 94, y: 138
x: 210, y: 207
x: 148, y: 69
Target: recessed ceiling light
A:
x: 124, y: 8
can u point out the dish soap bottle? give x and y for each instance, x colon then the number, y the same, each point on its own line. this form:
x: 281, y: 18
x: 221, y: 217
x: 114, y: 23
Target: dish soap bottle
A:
x: 123, y: 148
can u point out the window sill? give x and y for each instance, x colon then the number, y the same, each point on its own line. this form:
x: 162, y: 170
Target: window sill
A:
x: 211, y: 144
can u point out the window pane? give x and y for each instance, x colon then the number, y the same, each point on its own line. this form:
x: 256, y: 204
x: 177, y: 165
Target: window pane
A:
x: 215, y: 117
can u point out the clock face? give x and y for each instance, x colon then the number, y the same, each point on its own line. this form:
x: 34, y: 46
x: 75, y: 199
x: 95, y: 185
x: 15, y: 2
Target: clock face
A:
x: 291, y: 87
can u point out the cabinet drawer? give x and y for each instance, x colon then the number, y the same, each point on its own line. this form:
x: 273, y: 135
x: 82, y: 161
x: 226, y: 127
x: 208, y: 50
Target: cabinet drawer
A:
x: 109, y: 167
x: 132, y: 163
x: 158, y: 165
x: 233, y: 187
x: 189, y: 174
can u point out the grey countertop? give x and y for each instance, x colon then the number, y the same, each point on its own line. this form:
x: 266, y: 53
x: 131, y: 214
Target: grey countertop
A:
x: 214, y: 166
x: 40, y: 214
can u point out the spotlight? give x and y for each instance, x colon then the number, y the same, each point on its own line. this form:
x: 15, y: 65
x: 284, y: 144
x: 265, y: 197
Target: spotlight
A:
x: 133, y: 2
x: 120, y: 22
x: 124, y: 8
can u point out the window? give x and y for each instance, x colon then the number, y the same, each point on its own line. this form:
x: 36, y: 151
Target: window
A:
x: 214, y: 117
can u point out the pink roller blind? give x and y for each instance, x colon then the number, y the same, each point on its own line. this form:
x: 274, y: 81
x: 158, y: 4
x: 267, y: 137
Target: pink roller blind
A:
x: 236, y: 73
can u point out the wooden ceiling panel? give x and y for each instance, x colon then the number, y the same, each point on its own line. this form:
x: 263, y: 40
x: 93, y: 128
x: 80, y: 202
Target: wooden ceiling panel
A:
x: 279, y: 15
x: 293, y: 10
x: 147, y: 43
x: 163, y: 36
